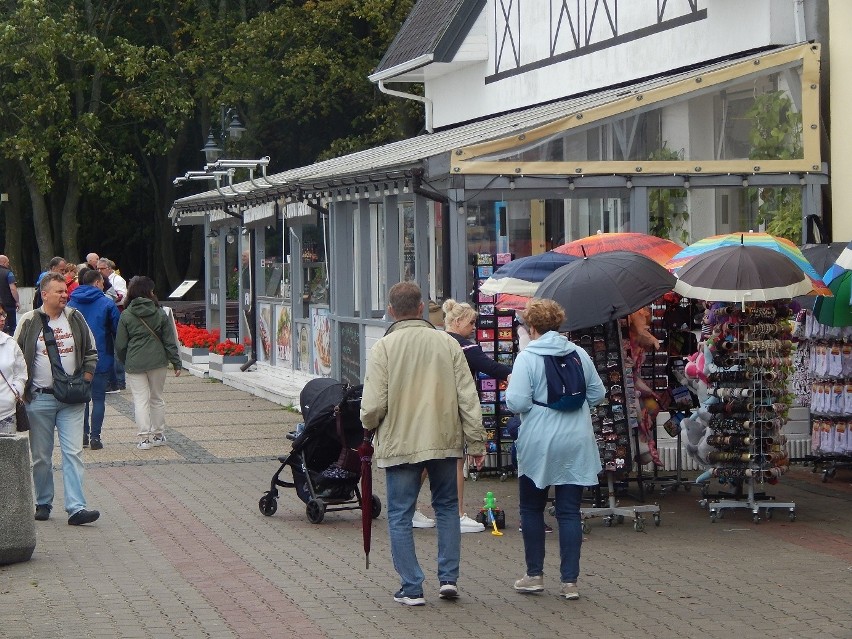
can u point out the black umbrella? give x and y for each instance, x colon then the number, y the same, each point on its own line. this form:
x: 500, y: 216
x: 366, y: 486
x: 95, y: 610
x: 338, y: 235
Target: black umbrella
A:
x: 742, y: 273
x: 604, y: 287
x: 822, y: 256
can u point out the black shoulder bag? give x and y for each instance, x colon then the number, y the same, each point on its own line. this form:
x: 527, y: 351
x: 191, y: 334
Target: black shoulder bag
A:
x: 68, y: 389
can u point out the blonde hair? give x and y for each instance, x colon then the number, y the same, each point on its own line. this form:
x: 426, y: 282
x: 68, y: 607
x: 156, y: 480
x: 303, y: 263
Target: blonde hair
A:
x: 455, y: 311
x: 543, y: 315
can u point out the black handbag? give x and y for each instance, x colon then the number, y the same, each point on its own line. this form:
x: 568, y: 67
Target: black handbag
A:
x: 68, y: 389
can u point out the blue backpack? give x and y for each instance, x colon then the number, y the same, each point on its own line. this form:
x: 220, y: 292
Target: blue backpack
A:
x: 566, y: 382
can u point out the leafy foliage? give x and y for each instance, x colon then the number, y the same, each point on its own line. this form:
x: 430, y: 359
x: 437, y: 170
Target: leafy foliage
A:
x: 777, y: 134
x: 104, y: 102
x: 667, y: 207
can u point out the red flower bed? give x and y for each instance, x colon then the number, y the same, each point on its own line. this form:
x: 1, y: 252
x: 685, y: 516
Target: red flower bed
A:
x: 195, y: 337
x: 228, y: 348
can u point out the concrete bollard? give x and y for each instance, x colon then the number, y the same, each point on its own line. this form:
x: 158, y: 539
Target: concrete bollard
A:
x: 17, y: 525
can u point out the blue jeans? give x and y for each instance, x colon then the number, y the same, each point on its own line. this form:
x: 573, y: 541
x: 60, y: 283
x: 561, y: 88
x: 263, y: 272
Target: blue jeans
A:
x: 403, y: 486
x: 99, y: 385
x: 47, y: 414
x: 532, y: 501
x: 117, y: 374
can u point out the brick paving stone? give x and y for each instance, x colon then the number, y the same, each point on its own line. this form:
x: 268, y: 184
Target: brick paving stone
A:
x: 181, y: 550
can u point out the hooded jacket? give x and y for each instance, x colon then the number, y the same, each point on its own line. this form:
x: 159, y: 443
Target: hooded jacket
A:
x: 141, y: 349
x: 554, y: 447
x: 419, y: 397
x: 101, y: 315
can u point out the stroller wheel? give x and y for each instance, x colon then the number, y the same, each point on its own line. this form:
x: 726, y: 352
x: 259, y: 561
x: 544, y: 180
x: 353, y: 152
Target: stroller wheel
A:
x: 315, y: 511
x: 377, y: 507
x: 268, y: 505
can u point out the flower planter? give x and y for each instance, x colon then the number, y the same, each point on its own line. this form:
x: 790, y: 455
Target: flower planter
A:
x: 191, y: 355
x: 220, y: 364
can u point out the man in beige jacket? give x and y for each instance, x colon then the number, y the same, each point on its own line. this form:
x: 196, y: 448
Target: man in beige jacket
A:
x: 420, y: 399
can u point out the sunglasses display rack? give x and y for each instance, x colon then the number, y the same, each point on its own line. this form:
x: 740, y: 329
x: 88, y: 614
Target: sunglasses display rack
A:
x: 496, y: 335
x: 829, y: 361
x: 614, y: 422
x: 751, y: 360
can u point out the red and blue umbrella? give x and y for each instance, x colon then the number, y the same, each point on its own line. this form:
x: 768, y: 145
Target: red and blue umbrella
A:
x: 523, y: 275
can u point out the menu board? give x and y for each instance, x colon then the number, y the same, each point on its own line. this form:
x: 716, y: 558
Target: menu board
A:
x: 350, y: 353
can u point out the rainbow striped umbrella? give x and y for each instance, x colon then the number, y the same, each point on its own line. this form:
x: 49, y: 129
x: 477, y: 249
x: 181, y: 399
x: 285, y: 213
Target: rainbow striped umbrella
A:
x: 765, y: 240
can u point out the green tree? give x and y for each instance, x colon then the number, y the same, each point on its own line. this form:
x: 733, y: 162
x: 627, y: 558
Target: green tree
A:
x: 776, y: 134
x: 667, y: 210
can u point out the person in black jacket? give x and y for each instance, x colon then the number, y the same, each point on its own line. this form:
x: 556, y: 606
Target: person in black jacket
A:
x: 459, y: 322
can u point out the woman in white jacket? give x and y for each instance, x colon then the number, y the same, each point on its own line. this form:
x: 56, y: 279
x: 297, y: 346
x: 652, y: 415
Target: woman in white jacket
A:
x: 14, y: 369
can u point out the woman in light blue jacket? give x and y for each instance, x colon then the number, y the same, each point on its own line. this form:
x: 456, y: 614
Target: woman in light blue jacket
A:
x: 555, y: 448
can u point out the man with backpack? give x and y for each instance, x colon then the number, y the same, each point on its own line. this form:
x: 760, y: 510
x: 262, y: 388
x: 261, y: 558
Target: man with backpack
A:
x: 552, y: 388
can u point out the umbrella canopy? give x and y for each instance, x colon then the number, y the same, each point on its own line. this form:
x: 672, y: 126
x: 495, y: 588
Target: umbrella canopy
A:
x: 780, y: 245
x: 512, y: 302
x: 836, y: 311
x: 741, y: 273
x: 844, y: 260
x: 822, y: 256
x: 604, y: 287
x: 522, y: 276
x: 656, y: 248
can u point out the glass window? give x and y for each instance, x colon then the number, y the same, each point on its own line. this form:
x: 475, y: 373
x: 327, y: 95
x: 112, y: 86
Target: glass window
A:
x: 756, y: 117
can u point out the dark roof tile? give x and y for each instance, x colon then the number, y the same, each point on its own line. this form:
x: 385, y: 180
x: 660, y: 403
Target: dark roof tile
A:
x: 433, y: 26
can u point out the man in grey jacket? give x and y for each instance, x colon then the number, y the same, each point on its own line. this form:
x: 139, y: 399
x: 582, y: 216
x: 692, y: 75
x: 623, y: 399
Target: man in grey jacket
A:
x: 420, y: 400
x: 77, y: 350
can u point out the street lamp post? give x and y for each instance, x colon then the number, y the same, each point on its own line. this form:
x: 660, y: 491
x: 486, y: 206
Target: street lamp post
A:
x: 233, y: 131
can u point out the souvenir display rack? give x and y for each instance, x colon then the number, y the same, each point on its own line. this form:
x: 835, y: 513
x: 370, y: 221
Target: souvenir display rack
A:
x: 830, y: 366
x: 751, y: 359
x: 496, y: 335
x: 672, y: 319
x: 613, y: 422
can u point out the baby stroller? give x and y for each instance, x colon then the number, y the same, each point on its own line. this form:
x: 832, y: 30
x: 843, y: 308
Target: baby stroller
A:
x: 326, y: 469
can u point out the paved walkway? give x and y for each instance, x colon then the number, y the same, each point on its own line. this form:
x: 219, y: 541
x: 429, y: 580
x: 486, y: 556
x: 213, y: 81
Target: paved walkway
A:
x: 181, y: 550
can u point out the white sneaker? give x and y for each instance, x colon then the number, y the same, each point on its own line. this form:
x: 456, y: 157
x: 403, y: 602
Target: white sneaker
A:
x: 145, y: 444
x: 469, y: 525
x: 421, y: 521
x: 159, y: 440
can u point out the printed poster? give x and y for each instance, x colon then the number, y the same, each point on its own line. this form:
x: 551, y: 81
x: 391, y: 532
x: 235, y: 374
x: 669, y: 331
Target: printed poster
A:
x: 321, y: 340
x: 264, y: 353
x: 283, y: 337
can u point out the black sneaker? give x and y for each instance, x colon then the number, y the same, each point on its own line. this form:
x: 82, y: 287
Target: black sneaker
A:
x: 42, y: 512
x: 448, y: 590
x: 409, y: 600
x: 96, y: 443
x: 111, y: 389
x: 85, y: 440
x: 83, y: 517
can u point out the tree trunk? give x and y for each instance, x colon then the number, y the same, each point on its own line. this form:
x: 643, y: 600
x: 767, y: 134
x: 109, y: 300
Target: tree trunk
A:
x: 41, y: 218
x: 12, y: 214
x: 70, y: 223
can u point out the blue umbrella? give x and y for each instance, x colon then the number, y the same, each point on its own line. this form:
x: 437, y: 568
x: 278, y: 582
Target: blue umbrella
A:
x: 522, y: 276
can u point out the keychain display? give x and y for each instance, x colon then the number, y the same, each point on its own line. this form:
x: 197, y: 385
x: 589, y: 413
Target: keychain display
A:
x: 496, y: 335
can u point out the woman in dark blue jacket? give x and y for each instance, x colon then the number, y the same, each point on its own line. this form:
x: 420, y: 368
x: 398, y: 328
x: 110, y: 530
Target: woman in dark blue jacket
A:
x: 459, y: 321
x: 101, y: 315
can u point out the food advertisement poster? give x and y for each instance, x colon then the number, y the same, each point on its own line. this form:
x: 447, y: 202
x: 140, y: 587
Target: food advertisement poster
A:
x: 283, y: 337
x: 321, y: 340
x: 264, y: 353
x: 303, y: 348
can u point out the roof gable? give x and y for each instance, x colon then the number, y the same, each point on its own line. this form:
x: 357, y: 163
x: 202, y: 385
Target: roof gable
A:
x: 434, y: 28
